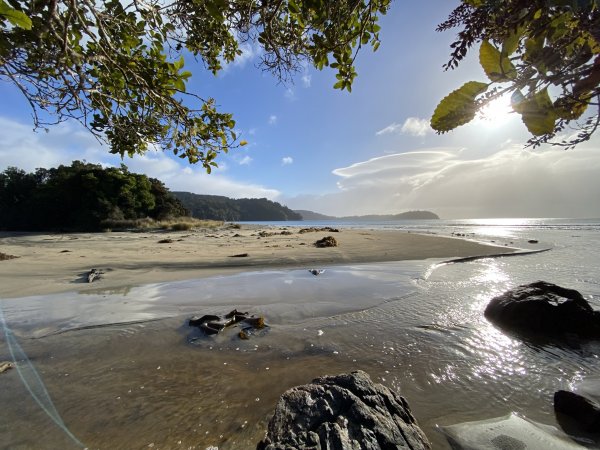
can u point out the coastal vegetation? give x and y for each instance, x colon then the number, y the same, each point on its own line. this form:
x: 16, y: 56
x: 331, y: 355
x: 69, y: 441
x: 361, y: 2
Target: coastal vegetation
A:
x: 89, y: 197
x: 216, y: 207
x: 82, y: 196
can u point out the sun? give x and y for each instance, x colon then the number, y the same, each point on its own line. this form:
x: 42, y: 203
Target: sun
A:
x: 496, y: 113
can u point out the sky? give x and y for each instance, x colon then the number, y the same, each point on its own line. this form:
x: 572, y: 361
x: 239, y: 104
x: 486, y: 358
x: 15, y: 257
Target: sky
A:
x: 368, y: 152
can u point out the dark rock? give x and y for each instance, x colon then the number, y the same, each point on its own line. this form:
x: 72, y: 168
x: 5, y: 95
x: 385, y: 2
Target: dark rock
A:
x: 327, y: 241
x: 316, y: 272
x: 211, y: 324
x: 165, y: 241
x: 94, y: 275
x: 584, y: 411
x: 532, y: 241
x: 344, y: 412
x: 240, y: 255
x: 545, y: 309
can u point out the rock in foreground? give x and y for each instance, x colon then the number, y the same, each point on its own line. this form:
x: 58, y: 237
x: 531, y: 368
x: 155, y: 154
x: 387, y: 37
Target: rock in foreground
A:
x: 344, y: 412
x: 546, y: 309
x: 583, y: 410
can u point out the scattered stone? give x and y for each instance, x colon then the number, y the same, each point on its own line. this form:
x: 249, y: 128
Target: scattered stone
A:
x: 240, y: 255
x: 584, y: 411
x: 545, y: 309
x: 316, y: 272
x: 93, y: 275
x: 532, y: 241
x: 211, y: 324
x: 286, y: 233
x: 65, y: 251
x: 347, y: 411
x: 327, y: 241
x: 6, y: 366
x: 237, y: 235
x: 165, y: 241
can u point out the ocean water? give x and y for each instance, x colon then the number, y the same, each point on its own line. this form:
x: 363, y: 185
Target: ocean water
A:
x: 122, y: 370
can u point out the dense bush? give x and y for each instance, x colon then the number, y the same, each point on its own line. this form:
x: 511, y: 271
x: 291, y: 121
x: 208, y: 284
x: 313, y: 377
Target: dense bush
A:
x: 216, y: 207
x: 81, y: 196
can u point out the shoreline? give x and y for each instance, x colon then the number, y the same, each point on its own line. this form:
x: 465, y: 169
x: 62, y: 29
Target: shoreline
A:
x: 50, y: 263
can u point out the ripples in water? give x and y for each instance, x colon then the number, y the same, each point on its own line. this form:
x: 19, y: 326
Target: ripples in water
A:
x: 414, y: 326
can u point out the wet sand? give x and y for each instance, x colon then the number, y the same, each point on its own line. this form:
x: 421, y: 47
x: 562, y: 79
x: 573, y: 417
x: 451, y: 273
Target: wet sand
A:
x: 53, y: 263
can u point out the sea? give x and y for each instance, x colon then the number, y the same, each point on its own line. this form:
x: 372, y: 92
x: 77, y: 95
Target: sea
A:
x: 121, y: 369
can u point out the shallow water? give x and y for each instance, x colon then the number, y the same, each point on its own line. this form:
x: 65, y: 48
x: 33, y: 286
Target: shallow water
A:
x: 417, y: 327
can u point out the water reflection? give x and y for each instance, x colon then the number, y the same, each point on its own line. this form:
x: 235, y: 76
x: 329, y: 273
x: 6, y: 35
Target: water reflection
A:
x: 132, y: 385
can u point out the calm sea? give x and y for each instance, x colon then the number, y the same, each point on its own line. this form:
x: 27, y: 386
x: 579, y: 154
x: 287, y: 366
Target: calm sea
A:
x: 121, y: 370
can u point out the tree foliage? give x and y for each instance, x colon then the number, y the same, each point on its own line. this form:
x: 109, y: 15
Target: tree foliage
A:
x: 117, y: 66
x: 544, y: 53
x: 216, y: 207
x: 80, y: 197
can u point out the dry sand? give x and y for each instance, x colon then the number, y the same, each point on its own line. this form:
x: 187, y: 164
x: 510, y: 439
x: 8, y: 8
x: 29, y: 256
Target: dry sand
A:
x: 51, y: 263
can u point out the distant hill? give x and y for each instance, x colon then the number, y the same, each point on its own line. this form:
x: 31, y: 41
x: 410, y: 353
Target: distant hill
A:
x: 217, y: 207
x: 409, y: 215
x: 311, y: 215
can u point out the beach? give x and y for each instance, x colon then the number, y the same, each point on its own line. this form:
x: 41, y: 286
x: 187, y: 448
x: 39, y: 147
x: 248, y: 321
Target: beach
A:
x: 59, y: 262
x: 115, y: 364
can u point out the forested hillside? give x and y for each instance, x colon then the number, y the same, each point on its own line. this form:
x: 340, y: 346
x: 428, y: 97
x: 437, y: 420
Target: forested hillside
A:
x: 217, y: 207
x: 81, y: 197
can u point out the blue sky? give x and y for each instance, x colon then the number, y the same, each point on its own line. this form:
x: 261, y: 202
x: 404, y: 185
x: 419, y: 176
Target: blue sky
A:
x: 368, y: 152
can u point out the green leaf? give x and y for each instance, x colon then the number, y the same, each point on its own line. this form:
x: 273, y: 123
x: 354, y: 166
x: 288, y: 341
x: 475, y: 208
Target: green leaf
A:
x: 15, y: 17
x: 242, y: 143
x: 537, y: 113
x: 179, y: 84
x: 457, y: 108
x: 511, y: 43
x: 496, y: 66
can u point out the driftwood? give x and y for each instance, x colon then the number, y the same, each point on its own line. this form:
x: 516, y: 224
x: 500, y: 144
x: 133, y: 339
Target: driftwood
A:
x: 4, y: 366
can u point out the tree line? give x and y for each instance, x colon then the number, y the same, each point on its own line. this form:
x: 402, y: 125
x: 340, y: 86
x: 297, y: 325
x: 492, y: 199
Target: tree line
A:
x: 81, y: 197
x: 217, y: 207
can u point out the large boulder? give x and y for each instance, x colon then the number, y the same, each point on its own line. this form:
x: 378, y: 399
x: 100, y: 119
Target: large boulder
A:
x: 344, y: 412
x: 584, y: 411
x: 545, y: 309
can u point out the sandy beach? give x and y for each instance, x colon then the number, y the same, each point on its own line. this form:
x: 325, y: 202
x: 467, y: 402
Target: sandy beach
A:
x: 52, y: 263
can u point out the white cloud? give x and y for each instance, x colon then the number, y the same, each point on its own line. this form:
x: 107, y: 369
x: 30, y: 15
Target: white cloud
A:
x: 389, y: 129
x: 416, y: 127
x: 290, y: 94
x: 249, y: 51
x: 272, y: 119
x: 510, y: 183
x: 412, y: 126
x: 246, y: 160
x: 22, y: 148
x: 306, y: 79
x: 287, y: 160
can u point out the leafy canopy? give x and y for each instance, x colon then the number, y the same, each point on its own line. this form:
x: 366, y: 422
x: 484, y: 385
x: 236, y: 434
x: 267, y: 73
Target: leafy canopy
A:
x: 117, y: 66
x: 544, y: 53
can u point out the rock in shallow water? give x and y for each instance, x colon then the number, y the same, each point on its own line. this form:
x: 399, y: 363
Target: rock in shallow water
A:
x: 546, y: 309
x: 344, y: 412
x: 584, y: 411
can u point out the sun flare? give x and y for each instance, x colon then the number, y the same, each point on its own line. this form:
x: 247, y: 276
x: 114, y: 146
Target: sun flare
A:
x: 497, y: 112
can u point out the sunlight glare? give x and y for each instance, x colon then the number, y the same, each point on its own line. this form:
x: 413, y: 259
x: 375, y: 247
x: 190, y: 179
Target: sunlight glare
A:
x: 496, y: 113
